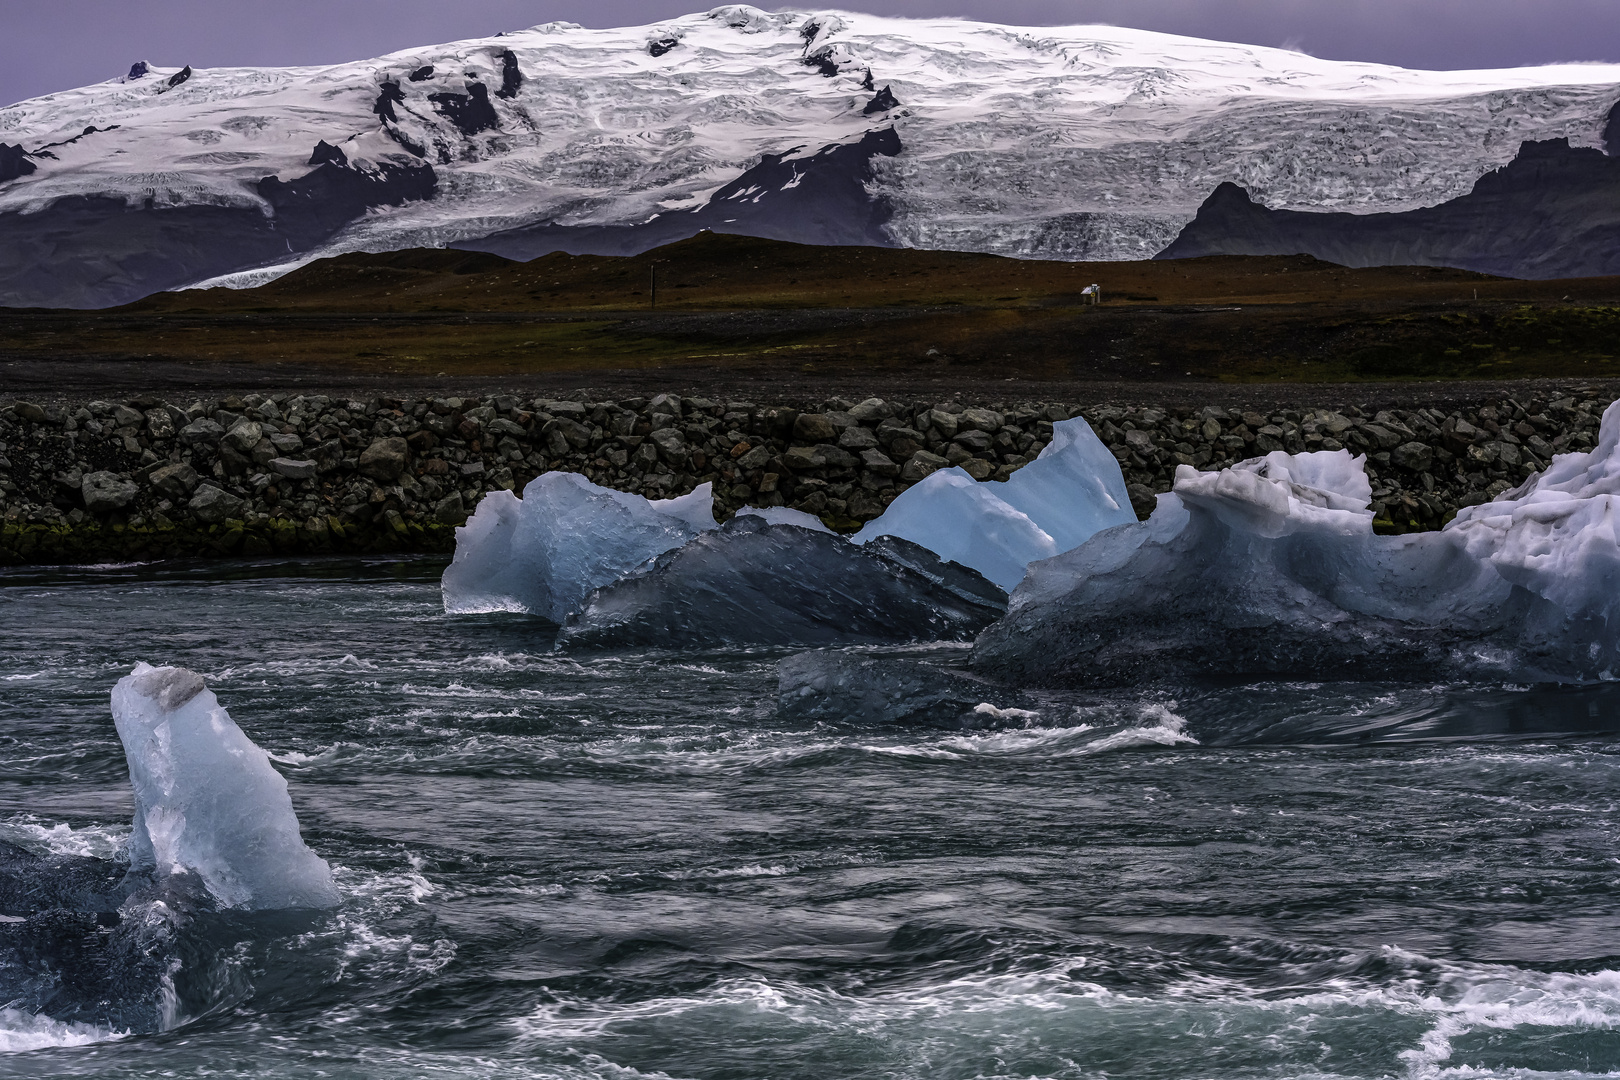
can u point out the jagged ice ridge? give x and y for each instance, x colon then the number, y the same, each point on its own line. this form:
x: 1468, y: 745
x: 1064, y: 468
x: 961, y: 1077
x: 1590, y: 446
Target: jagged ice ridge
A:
x: 1271, y: 568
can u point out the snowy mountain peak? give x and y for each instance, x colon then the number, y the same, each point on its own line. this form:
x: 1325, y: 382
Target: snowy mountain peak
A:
x: 1079, y: 142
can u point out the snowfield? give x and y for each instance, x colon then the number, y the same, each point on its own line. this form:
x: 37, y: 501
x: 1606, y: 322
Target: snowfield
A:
x: 1064, y: 142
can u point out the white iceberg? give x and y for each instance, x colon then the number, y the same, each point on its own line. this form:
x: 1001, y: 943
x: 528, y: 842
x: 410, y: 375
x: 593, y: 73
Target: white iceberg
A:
x: 207, y: 799
x: 1073, y: 490
x: 960, y: 519
x: 1271, y: 568
x: 542, y: 554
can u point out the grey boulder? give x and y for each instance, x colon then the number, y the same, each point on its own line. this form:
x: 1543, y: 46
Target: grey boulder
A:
x: 175, y: 481
x: 293, y: 468
x: 385, y: 459
x: 212, y: 505
x: 105, y: 492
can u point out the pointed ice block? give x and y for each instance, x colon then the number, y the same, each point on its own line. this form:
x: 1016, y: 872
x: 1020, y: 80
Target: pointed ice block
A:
x: 207, y: 799
x: 1071, y: 491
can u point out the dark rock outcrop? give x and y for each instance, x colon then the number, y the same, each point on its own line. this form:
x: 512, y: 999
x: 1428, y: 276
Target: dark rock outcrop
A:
x: 1552, y: 212
x: 882, y: 102
x: 822, y: 60
x: 821, y: 198
x: 471, y: 112
x: 180, y: 76
x: 1611, y: 132
x: 93, y: 251
x: 421, y: 73
x: 327, y: 154
x: 319, y: 203
x: 511, y: 76
x: 14, y: 163
x: 660, y: 45
x: 388, y: 95
x: 139, y: 70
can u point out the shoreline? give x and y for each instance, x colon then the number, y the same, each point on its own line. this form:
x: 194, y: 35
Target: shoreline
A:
x: 91, y: 481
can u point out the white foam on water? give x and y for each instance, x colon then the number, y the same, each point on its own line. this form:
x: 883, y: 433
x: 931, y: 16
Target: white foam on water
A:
x: 1029, y: 1013
x: 722, y: 873
x: 92, y: 841
x: 1012, y: 742
x: 21, y: 1032
x: 1166, y: 729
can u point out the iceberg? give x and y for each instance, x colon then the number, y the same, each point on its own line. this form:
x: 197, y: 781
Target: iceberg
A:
x: 840, y: 687
x: 207, y: 800
x: 543, y: 553
x: 1271, y: 568
x: 782, y: 515
x: 757, y: 583
x: 1071, y: 491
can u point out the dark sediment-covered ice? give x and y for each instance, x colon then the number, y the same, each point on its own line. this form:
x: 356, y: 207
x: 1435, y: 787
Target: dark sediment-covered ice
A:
x: 828, y: 685
x: 1271, y: 568
x: 755, y: 583
x: 83, y: 942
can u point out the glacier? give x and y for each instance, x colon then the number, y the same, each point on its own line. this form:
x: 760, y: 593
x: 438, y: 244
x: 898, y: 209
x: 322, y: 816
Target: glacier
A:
x: 1073, y: 489
x: 1076, y: 142
x: 753, y: 582
x: 1271, y: 568
x: 207, y: 800
x: 541, y: 554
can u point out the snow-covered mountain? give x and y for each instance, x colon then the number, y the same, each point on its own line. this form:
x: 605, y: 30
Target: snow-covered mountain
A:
x: 1074, y: 142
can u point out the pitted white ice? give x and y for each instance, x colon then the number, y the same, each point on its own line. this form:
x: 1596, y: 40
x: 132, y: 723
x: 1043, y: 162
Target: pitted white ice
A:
x: 1070, y: 492
x: 1271, y: 567
x: 543, y: 553
x: 1556, y: 536
x: 207, y: 799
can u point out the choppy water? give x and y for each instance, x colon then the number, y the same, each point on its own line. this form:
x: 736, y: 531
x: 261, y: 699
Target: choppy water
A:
x: 627, y: 866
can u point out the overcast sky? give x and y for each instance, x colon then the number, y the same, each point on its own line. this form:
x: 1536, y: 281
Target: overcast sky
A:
x: 58, y: 44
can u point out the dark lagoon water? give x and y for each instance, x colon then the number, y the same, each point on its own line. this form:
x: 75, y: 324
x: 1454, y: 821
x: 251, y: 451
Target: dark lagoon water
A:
x: 628, y: 866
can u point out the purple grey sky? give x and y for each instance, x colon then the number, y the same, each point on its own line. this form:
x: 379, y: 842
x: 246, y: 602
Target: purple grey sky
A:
x: 58, y: 44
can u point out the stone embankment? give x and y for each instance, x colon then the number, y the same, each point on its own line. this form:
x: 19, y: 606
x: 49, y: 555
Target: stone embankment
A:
x: 99, y: 481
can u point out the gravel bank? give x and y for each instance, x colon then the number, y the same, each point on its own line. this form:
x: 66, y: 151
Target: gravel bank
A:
x: 141, y: 478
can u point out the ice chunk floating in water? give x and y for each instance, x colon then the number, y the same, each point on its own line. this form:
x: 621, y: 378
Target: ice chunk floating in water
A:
x: 841, y: 687
x: 1271, y: 567
x: 207, y: 799
x: 566, y: 536
x: 756, y: 583
x: 1059, y: 500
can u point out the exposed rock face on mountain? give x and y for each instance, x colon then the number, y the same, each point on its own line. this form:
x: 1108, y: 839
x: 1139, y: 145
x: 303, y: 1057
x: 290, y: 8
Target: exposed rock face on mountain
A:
x: 97, y: 251
x: 1552, y: 212
x: 816, y: 198
x: 1082, y: 142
